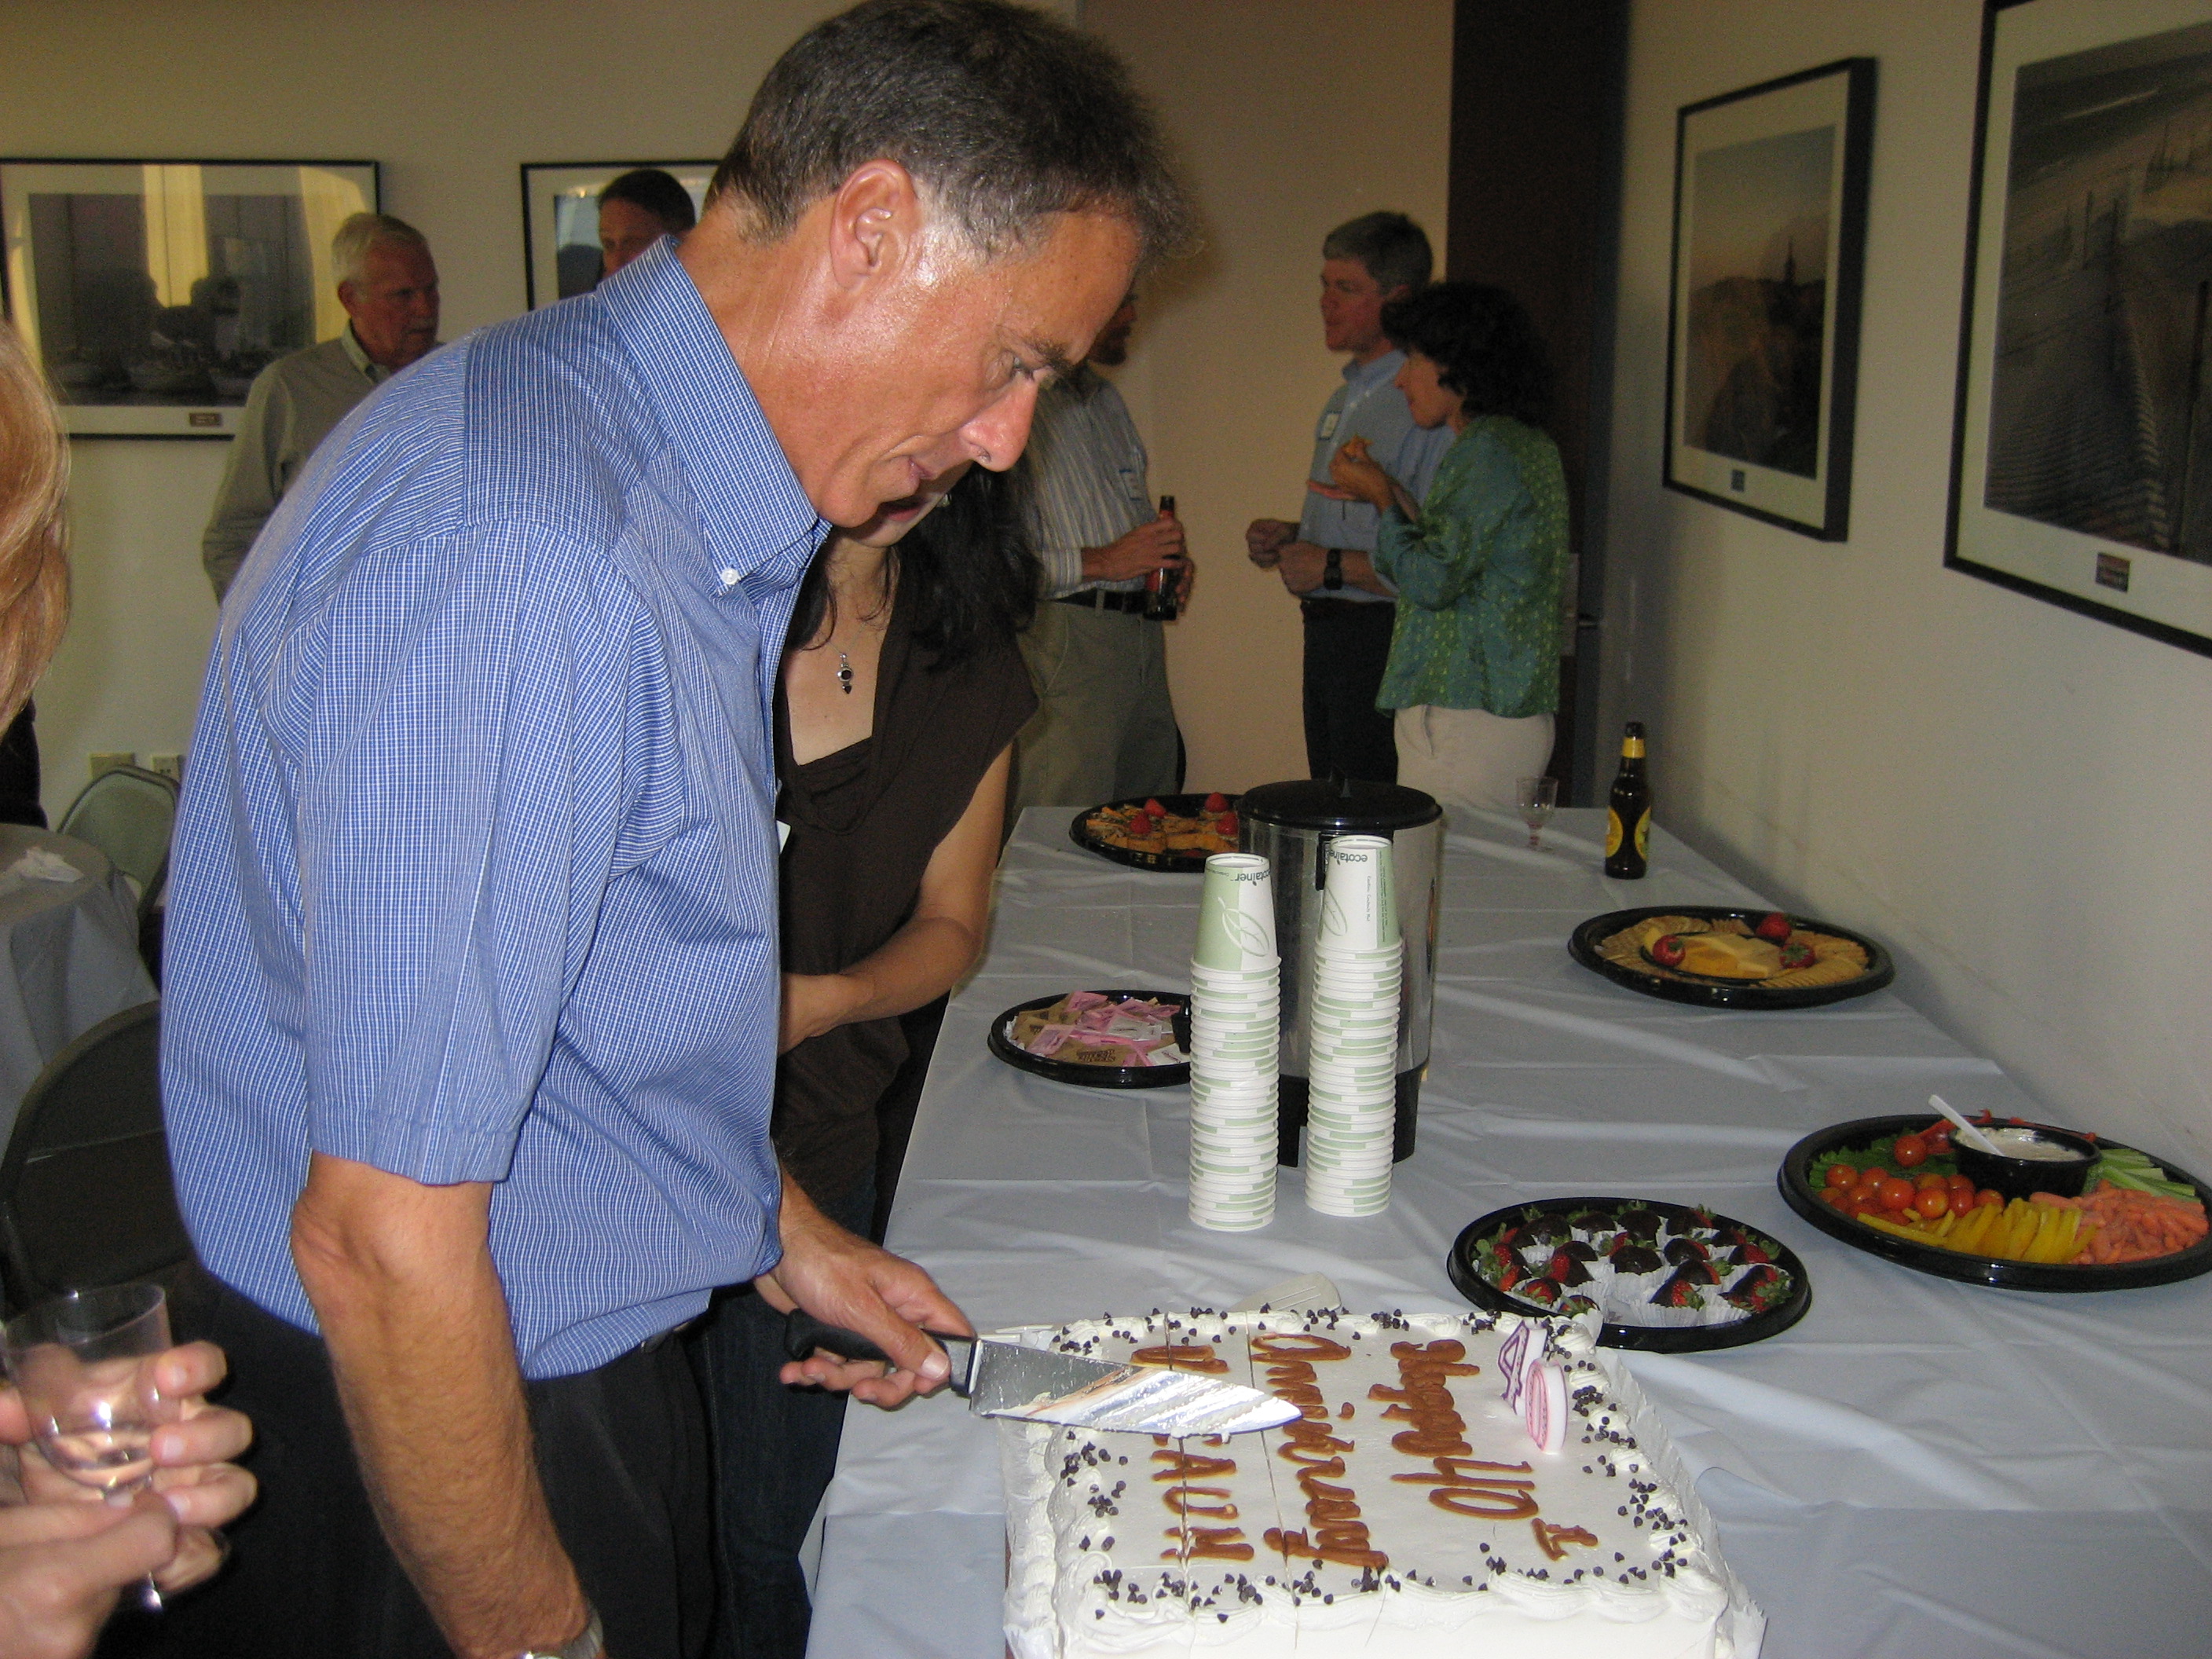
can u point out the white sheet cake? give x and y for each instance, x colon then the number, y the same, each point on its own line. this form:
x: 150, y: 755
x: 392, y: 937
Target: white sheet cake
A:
x: 1408, y: 1513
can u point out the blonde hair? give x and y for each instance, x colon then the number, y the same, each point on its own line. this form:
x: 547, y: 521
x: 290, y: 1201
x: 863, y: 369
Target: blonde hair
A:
x: 34, y: 571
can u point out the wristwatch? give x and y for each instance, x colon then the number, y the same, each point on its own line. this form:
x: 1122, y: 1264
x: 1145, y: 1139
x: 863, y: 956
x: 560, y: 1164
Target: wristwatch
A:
x: 1332, y: 573
x: 591, y: 1643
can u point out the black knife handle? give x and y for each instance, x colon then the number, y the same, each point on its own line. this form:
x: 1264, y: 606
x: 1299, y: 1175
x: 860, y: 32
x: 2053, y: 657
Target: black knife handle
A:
x: 803, y: 1333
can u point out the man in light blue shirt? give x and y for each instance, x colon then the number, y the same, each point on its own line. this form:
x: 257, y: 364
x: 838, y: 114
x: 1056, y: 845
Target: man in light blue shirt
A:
x: 1326, y: 558
x: 469, y: 1035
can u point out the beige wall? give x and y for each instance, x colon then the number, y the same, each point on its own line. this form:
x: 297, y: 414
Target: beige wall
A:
x: 1291, y: 117
x: 2017, y: 798
x: 451, y: 97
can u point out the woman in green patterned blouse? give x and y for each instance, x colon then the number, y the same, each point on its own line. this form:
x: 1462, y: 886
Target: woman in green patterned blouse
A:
x: 1481, y: 564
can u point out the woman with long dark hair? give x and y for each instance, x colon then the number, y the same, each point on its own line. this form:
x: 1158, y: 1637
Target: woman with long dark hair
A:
x: 901, y: 692
x: 1480, y: 562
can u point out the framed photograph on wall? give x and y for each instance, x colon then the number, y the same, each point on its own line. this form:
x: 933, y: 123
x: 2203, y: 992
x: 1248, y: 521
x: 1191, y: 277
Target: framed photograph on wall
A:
x: 153, y: 292
x: 560, y: 219
x: 1763, y: 323
x: 2081, y: 458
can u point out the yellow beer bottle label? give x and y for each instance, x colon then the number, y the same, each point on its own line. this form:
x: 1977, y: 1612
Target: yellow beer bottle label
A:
x: 1611, y: 832
x: 1644, y: 837
x: 1632, y: 749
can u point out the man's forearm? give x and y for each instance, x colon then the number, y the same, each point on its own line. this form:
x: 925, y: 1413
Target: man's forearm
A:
x: 420, y: 1342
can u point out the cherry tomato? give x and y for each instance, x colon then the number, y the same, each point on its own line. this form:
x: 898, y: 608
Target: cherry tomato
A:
x: 1928, y: 1178
x: 1873, y: 1172
x: 1938, y: 1137
x: 1959, y: 1183
x: 1896, y: 1194
x: 1961, y: 1202
x: 1989, y: 1198
x: 1842, y: 1175
x: 1909, y: 1151
x: 1933, y: 1201
x: 1837, y: 1198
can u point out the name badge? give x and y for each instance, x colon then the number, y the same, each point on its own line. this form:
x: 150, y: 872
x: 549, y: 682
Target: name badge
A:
x: 1328, y: 424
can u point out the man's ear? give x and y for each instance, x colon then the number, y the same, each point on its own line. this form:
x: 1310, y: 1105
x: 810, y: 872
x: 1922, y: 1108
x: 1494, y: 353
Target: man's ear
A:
x: 348, y: 297
x: 875, y: 223
x: 1391, y: 295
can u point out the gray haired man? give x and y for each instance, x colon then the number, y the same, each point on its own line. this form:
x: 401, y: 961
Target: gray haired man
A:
x: 469, y: 1036
x: 1326, y: 558
x: 388, y: 284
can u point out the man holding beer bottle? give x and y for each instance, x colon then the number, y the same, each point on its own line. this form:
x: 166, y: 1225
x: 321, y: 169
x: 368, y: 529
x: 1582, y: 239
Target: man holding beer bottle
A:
x: 1115, y: 568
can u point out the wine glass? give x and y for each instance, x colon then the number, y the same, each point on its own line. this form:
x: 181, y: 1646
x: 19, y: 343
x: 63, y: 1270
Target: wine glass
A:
x: 1539, y: 797
x: 83, y: 1364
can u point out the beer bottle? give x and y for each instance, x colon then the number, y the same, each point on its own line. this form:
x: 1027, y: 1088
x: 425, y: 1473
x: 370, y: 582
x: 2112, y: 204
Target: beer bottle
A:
x: 1161, y: 603
x: 1628, y: 813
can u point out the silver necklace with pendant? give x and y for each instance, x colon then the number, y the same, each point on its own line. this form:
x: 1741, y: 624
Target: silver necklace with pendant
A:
x: 845, y: 673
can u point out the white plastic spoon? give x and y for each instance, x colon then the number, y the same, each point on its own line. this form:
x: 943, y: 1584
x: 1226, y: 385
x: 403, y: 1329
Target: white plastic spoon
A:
x: 1972, y: 1136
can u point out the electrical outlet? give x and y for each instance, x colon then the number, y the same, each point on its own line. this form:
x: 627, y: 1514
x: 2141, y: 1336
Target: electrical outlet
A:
x: 108, y: 762
x: 169, y: 766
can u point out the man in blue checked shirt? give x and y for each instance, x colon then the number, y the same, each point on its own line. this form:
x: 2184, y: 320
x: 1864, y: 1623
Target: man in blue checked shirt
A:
x: 471, y: 1010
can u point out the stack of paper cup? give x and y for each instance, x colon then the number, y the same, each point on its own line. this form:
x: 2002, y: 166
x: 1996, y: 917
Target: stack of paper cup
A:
x: 1352, y: 1031
x: 1235, y: 1022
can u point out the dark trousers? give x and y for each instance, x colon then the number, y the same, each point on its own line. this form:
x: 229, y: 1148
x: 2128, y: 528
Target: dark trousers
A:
x: 775, y: 1451
x: 621, y: 1450
x: 1347, y: 647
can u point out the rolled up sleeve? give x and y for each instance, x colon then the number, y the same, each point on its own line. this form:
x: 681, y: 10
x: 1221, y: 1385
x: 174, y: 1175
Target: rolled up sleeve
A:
x: 455, y: 840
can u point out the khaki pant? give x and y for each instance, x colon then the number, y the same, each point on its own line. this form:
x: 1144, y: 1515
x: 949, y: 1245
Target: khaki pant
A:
x: 1104, y: 728
x: 1470, y: 756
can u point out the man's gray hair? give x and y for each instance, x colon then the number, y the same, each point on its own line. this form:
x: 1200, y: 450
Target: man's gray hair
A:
x: 1002, y: 114
x: 1393, y: 249
x: 363, y: 231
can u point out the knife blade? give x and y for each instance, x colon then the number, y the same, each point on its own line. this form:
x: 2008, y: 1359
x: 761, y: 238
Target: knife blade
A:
x: 1005, y: 1379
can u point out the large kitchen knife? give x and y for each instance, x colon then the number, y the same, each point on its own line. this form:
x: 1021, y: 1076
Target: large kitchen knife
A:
x: 1003, y: 1379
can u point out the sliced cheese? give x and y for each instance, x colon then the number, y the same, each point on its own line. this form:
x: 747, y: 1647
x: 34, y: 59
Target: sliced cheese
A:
x: 1725, y: 955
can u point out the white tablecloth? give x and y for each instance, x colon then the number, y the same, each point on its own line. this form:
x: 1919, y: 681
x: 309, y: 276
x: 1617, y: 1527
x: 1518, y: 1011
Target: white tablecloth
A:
x: 69, y: 957
x: 1918, y: 1469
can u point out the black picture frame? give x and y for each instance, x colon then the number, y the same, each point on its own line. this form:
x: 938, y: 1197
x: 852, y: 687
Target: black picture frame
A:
x: 2081, y: 446
x: 152, y: 290
x: 547, y: 185
x: 1762, y: 361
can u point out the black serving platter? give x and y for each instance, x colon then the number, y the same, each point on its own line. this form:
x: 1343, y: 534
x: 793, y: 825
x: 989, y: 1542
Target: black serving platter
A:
x: 1698, y: 992
x: 1181, y: 863
x: 1640, y: 1338
x: 1799, y: 1195
x: 1096, y: 1077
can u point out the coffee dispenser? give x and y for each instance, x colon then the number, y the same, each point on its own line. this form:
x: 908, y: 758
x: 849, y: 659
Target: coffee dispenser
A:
x: 1291, y: 825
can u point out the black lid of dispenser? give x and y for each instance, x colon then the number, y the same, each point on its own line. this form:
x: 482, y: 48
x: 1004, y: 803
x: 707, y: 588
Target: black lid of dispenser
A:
x: 1341, y: 806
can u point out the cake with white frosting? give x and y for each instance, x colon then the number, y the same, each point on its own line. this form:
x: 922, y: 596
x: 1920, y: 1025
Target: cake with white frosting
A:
x: 1409, y: 1512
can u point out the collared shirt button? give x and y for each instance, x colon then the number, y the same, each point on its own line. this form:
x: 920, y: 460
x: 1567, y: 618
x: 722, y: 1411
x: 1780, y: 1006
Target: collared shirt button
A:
x: 729, y: 579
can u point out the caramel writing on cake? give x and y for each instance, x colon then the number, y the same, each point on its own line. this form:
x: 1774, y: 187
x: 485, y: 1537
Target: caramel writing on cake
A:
x: 1193, y: 1542
x: 1334, y: 1531
x: 1553, y: 1540
x: 1187, y: 1358
x: 1461, y: 1483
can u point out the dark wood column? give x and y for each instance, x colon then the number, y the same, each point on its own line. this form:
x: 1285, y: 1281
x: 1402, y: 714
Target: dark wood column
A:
x: 1537, y: 91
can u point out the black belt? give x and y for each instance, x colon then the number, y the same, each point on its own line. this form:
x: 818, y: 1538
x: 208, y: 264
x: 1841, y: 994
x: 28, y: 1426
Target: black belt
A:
x: 1313, y: 606
x: 1100, y: 598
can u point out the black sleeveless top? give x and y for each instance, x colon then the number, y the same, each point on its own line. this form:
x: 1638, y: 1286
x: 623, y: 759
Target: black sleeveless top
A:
x: 865, y: 821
